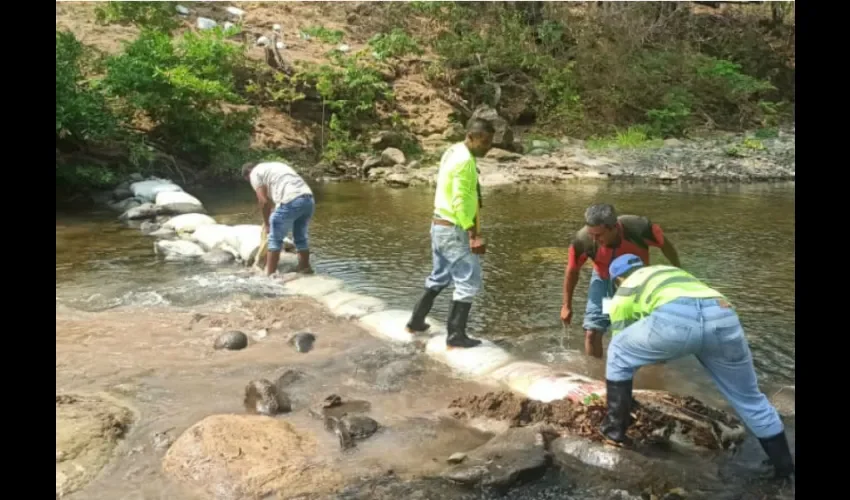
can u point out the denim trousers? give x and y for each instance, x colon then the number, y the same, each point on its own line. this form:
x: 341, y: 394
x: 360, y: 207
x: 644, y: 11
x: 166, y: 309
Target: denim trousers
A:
x: 454, y: 262
x: 598, y: 289
x: 710, y: 330
x: 291, y: 217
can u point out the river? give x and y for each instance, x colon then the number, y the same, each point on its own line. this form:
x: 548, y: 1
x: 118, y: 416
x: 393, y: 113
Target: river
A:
x: 738, y: 238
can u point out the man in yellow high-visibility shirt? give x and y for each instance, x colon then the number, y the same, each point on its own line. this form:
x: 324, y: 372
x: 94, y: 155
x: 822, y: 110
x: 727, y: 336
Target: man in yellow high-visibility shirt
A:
x: 455, y: 239
x: 661, y: 313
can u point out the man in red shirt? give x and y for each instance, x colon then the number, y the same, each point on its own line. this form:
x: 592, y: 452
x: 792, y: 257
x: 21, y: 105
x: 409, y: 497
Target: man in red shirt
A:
x: 603, y: 238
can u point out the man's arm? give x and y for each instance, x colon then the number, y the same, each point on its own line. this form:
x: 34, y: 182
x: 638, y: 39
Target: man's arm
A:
x: 265, y: 203
x: 576, y: 258
x: 670, y: 252
x: 465, y: 197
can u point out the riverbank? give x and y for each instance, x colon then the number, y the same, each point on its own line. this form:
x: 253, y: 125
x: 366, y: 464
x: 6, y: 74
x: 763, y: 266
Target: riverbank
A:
x: 742, y: 158
x: 331, y: 86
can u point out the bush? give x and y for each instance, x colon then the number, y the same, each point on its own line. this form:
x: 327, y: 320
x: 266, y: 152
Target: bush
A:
x: 182, y: 88
x: 154, y: 15
x: 82, y: 113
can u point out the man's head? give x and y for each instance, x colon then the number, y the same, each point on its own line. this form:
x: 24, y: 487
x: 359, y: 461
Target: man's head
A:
x: 601, y: 222
x: 479, y: 137
x: 623, y: 266
x: 247, y: 168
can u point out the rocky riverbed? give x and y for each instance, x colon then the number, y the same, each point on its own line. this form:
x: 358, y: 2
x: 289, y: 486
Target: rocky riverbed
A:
x: 725, y: 158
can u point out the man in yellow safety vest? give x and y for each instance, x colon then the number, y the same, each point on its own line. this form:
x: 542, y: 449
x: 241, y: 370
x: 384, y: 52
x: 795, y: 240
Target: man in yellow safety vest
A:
x: 661, y: 313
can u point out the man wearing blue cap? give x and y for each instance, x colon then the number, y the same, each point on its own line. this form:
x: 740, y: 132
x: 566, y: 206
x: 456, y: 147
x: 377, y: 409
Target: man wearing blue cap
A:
x: 661, y: 313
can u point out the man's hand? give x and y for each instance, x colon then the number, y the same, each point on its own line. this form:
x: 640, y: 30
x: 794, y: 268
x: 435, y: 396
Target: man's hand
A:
x: 266, y: 228
x: 566, y: 314
x: 477, y: 245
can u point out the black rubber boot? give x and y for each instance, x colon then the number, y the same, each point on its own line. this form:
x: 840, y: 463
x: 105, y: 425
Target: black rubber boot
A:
x: 618, y: 419
x: 779, y: 455
x: 458, y: 315
x: 417, y: 322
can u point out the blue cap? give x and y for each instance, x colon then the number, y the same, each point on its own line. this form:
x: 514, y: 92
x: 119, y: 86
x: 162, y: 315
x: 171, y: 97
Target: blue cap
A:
x: 624, y: 264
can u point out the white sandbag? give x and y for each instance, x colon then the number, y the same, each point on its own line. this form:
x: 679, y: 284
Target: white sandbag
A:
x: 573, y: 387
x: 178, y: 202
x: 313, y: 286
x: 520, y: 375
x: 351, y: 305
x: 244, y: 239
x: 212, y: 236
x: 177, y: 249
x: 188, y: 223
x: 391, y: 325
x: 170, y: 197
x: 471, y: 362
x: 147, y: 190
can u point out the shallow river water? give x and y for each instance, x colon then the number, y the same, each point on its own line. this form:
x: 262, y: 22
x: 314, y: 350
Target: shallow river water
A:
x: 739, y: 239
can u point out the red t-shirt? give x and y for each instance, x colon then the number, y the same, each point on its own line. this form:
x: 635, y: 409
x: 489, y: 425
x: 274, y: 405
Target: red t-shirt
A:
x: 637, y: 234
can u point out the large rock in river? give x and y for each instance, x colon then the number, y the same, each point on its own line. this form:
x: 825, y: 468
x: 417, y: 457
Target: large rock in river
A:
x: 248, y: 456
x: 88, y: 428
x: 518, y: 455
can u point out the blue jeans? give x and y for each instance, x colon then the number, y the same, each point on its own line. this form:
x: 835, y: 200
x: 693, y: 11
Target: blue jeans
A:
x: 454, y: 262
x: 712, y: 332
x: 295, y: 217
x: 598, y: 289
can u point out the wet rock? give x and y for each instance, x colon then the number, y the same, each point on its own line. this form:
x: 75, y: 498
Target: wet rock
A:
x: 577, y: 452
x: 289, y: 377
x: 124, y: 205
x: 538, y: 152
x: 334, y: 406
x: 232, y: 341
x: 147, y: 227
x: 218, y: 257
x: 414, y: 165
x: 88, y: 428
x: 359, y: 426
x: 518, y: 455
x: 261, y: 396
x: 350, y: 428
x: 502, y: 155
x: 249, y: 456
x: 387, y: 139
x: 456, y: 458
x: 135, y: 177
x: 303, y: 342
x: 143, y: 211
x: 175, y: 250
x: 392, y: 156
x: 538, y: 144
x: 369, y: 164
x: 504, y: 137
x: 397, y: 179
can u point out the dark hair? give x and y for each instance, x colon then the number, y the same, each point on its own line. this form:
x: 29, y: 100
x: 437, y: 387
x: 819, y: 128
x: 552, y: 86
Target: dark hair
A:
x: 478, y: 127
x: 600, y: 214
x: 247, y: 167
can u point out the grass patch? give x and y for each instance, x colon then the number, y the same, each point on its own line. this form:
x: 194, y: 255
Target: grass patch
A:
x: 635, y: 137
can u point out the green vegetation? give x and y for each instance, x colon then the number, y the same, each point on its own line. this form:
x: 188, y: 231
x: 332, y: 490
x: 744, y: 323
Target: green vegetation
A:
x: 181, y: 102
x: 594, y: 70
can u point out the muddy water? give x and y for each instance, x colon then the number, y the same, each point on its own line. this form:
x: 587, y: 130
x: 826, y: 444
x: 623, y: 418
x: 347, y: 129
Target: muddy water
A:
x: 738, y: 238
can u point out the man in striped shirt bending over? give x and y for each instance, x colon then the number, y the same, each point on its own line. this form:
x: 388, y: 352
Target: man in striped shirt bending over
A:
x: 661, y: 313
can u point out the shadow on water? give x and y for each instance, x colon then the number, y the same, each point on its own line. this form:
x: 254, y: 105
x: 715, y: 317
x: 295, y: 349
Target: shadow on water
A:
x: 739, y: 239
